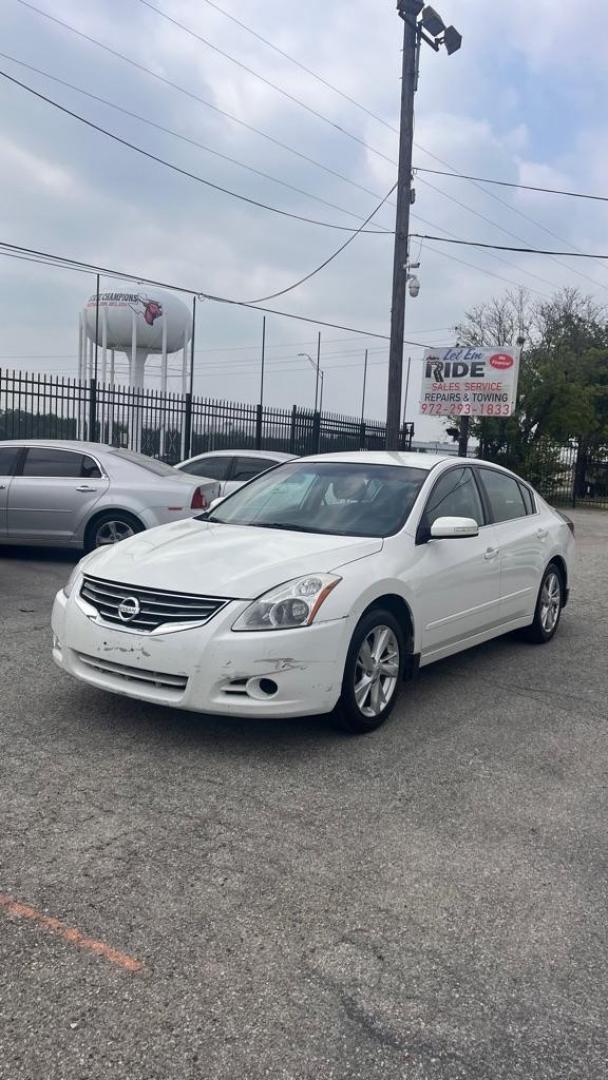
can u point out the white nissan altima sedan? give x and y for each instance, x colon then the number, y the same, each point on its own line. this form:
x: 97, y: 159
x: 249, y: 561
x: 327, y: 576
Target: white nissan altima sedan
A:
x: 318, y: 586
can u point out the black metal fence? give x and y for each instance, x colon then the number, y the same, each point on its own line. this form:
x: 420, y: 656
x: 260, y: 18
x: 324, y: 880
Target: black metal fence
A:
x: 575, y: 474
x: 172, y: 426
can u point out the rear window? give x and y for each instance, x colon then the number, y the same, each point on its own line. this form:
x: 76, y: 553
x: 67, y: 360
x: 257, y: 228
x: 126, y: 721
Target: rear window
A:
x: 505, y: 495
x: 151, y: 464
x: 215, y: 467
x: 247, y: 467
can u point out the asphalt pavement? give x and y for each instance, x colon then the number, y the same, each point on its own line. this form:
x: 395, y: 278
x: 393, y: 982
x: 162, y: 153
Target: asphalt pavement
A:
x: 189, y: 897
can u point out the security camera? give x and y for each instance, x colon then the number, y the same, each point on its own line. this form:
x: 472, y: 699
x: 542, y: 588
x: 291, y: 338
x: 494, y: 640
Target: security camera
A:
x: 414, y: 285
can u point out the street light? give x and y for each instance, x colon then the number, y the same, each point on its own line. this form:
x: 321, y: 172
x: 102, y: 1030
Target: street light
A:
x: 432, y: 21
x: 320, y: 375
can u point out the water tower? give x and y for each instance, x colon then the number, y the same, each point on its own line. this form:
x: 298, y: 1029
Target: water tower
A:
x: 137, y: 324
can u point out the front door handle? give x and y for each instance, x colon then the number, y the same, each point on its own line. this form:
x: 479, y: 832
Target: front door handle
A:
x: 86, y: 487
x: 542, y: 534
x: 490, y: 553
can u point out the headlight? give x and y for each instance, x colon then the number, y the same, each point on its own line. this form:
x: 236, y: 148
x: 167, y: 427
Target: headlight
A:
x: 78, y: 570
x: 73, y: 578
x: 291, y: 605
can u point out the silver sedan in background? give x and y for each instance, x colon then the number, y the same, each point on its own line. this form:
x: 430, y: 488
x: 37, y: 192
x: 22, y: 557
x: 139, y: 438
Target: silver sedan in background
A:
x: 86, y: 495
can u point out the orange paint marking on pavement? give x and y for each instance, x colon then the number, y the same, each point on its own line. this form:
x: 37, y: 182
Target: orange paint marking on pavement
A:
x: 67, y: 933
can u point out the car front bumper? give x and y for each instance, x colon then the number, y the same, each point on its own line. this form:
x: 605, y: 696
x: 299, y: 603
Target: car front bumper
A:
x: 206, y: 668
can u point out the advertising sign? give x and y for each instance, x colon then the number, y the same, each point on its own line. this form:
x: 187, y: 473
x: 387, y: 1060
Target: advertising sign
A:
x: 469, y: 381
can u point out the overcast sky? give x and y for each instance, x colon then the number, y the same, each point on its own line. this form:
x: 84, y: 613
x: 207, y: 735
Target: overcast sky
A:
x: 523, y: 100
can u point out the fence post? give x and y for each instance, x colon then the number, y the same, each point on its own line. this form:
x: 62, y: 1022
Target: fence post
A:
x: 292, y: 430
x: 188, y: 427
x: 92, y: 410
x: 316, y: 432
x: 362, y: 435
x: 258, y: 427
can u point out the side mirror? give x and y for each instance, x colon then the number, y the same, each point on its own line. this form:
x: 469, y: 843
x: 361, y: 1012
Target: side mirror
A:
x: 215, y: 503
x: 454, y: 528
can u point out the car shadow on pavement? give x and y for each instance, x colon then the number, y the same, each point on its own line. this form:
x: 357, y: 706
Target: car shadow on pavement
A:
x: 127, y: 719
x: 25, y: 554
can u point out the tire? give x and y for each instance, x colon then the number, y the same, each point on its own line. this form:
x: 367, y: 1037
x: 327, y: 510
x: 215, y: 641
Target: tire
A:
x: 359, y: 712
x: 548, y: 607
x: 110, y: 528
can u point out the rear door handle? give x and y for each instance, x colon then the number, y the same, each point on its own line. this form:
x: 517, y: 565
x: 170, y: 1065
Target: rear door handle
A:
x: 490, y: 553
x: 86, y: 487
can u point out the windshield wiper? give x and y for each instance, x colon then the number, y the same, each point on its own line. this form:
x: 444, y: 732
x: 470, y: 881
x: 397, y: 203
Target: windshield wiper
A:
x: 284, y: 526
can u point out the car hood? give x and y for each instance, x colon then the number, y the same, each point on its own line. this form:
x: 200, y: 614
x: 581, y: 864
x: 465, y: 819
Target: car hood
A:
x: 241, y: 562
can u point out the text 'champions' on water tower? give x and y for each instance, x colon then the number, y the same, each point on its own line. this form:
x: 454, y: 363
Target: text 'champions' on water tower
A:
x: 137, y: 324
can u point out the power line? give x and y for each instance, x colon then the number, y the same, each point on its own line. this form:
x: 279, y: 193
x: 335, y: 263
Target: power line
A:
x: 302, y: 67
x: 330, y: 258
x: 193, y: 142
x: 526, y: 217
x: 391, y: 127
x: 177, y: 168
x: 489, y: 221
x: 179, y: 135
x: 196, y: 97
x: 272, y: 139
x: 267, y: 82
x: 504, y: 247
x: 512, y: 184
x: 78, y: 265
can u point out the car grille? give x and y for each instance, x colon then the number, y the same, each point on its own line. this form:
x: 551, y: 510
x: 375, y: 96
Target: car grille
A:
x: 157, y: 607
x: 141, y: 676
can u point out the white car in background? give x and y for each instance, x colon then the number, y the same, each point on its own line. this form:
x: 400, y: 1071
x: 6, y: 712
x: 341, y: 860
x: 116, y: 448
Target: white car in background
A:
x: 232, y: 468
x: 319, y: 586
x: 77, y: 494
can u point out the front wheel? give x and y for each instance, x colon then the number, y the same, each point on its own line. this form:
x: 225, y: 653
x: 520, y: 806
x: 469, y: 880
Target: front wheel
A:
x: 548, y: 607
x: 373, y: 671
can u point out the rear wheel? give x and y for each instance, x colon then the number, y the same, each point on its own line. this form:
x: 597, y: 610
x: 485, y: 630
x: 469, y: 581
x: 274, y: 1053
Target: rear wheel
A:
x: 548, y: 607
x: 373, y: 671
x: 111, y: 528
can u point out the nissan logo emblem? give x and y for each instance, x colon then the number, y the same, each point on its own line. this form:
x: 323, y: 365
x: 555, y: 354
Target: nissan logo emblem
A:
x: 128, y: 608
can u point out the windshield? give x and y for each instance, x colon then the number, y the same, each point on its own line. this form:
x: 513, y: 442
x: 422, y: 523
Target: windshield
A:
x: 151, y: 464
x: 337, y: 497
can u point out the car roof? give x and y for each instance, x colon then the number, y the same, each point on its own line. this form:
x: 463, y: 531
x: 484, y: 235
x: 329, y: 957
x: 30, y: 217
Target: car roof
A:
x: 408, y: 459
x: 277, y: 454
x: 62, y: 444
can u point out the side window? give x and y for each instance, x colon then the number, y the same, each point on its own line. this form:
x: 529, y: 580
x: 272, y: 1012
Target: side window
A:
x: 246, y: 468
x: 8, y: 460
x: 215, y: 468
x: 90, y: 469
x: 454, y: 495
x: 504, y: 493
x: 45, y: 462
x: 528, y: 499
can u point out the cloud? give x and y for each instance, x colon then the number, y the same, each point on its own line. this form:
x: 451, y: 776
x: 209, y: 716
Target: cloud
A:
x: 514, y: 104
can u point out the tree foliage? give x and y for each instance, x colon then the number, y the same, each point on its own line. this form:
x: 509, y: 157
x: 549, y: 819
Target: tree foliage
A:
x: 563, y: 380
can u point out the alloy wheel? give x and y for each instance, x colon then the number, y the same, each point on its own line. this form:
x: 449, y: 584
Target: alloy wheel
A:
x: 112, y: 532
x: 376, y: 671
x: 550, y: 602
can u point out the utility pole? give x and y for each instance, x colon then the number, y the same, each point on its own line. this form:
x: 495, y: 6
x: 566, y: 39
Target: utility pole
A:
x: 318, y: 369
x: 263, y: 360
x: 409, y: 11
x: 431, y: 29
x: 96, y: 325
x: 364, y: 385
